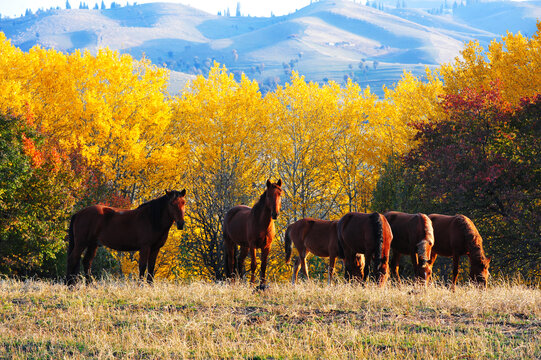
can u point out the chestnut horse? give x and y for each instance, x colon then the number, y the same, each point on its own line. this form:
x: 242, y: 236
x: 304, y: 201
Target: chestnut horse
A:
x: 312, y: 236
x: 144, y: 229
x: 368, y: 234
x: 251, y: 229
x: 413, y: 235
x: 455, y: 236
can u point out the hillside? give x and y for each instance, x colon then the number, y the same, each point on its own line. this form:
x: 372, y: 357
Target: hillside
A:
x: 327, y: 40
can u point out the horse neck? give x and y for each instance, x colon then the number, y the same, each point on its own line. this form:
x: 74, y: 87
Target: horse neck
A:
x: 474, y: 242
x: 261, y: 213
x: 156, y: 210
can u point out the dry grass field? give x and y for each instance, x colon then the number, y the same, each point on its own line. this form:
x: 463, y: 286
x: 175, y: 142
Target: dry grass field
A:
x: 123, y: 319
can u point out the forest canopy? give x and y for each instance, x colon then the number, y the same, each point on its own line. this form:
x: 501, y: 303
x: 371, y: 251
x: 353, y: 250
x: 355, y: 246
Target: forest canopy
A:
x: 82, y: 128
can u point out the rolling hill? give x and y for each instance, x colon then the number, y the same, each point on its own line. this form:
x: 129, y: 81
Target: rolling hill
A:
x: 327, y: 40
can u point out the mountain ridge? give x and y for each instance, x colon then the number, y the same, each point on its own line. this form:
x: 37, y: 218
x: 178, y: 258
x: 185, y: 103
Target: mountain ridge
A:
x: 327, y: 40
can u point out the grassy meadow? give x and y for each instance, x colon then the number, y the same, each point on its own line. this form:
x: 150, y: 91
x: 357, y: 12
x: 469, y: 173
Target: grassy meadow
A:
x: 125, y: 319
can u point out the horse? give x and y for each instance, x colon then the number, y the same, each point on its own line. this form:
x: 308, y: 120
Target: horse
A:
x: 251, y: 229
x: 413, y: 235
x: 314, y: 236
x: 368, y: 234
x: 456, y: 236
x: 144, y: 229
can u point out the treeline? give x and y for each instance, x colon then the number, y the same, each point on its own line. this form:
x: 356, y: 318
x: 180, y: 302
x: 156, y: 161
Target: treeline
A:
x: 83, y: 129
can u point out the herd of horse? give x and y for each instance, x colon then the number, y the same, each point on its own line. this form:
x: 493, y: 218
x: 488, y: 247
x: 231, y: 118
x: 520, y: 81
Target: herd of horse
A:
x: 357, y: 238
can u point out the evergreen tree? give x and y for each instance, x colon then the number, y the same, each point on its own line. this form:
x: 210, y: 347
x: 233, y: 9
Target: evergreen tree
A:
x: 68, y: 6
x: 103, y: 7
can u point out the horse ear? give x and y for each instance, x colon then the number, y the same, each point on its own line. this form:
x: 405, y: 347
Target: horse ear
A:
x: 182, y: 193
x: 268, y: 183
x: 279, y: 183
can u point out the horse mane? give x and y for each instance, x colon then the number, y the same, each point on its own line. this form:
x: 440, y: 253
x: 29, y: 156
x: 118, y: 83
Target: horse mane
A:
x: 377, y: 227
x: 474, y: 241
x: 154, y: 208
x: 428, y: 235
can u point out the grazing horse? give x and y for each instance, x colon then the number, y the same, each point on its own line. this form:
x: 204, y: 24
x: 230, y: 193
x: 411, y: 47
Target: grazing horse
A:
x: 144, y: 229
x: 312, y: 236
x: 413, y: 235
x: 455, y: 236
x: 251, y: 229
x: 368, y: 234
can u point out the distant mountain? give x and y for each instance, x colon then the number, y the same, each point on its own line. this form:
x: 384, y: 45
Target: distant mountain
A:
x: 327, y: 40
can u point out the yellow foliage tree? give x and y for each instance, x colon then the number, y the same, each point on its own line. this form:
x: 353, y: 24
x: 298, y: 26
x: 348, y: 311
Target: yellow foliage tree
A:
x: 515, y: 62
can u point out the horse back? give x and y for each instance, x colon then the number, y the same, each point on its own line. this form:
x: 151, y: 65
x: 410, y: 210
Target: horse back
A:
x: 356, y: 232
x: 408, y: 230
x: 115, y: 228
x: 449, y: 237
x: 236, y: 223
x: 317, y: 236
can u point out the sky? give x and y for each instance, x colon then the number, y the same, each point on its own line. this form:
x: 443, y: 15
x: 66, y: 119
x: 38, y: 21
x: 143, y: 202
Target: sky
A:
x: 15, y: 8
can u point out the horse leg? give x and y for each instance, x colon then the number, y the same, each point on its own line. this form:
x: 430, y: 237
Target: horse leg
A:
x: 296, y: 269
x: 87, y: 260
x: 332, y: 259
x: 229, y: 250
x: 353, y: 271
x: 253, y: 265
x: 456, y: 259
x: 264, y: 257
x: 74, y: 259
x: 433, y: 257
x: 242, y: 258
x: 151, y: 264
x: 304, y: 267
x: 367, y: 262
x: 143, y: 261
x: 395, y: 261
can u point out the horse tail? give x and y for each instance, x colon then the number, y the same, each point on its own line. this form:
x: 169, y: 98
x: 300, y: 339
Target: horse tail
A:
x: 340, y: 238
x: 71, y: 236
x: 287, y: 244
x: 377, y: 227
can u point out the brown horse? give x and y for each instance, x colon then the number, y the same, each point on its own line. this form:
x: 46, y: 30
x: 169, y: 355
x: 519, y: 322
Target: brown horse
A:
x: 413, y: 235
x: 368, y: 234
x: 315, y: 236
x: 144, y: 229
x: 456, y: 236
x: 251, y: 229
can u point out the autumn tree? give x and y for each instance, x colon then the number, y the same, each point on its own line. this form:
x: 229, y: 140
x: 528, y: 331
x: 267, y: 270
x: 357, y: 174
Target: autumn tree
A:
x: 483, y: 161
x: 225, y: 124
x: 36, y: 198
x: 515, y: 61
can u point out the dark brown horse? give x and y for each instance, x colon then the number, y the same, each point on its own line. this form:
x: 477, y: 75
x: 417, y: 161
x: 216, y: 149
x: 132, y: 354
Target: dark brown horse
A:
x: 144, y: 229
x: 455, y: 236
x: 412, y: 235
x: 368, y: 234
x: 251, y: 229
x: 314, y: 236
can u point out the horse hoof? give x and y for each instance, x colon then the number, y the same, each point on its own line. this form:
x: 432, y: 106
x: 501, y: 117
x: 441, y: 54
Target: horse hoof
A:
x: 262, y: 287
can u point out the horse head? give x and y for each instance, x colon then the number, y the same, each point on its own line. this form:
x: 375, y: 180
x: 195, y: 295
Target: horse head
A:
x: 424, y: 268
x: 479, y: 271
x: 175, y: 205
x: 273, y: 200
